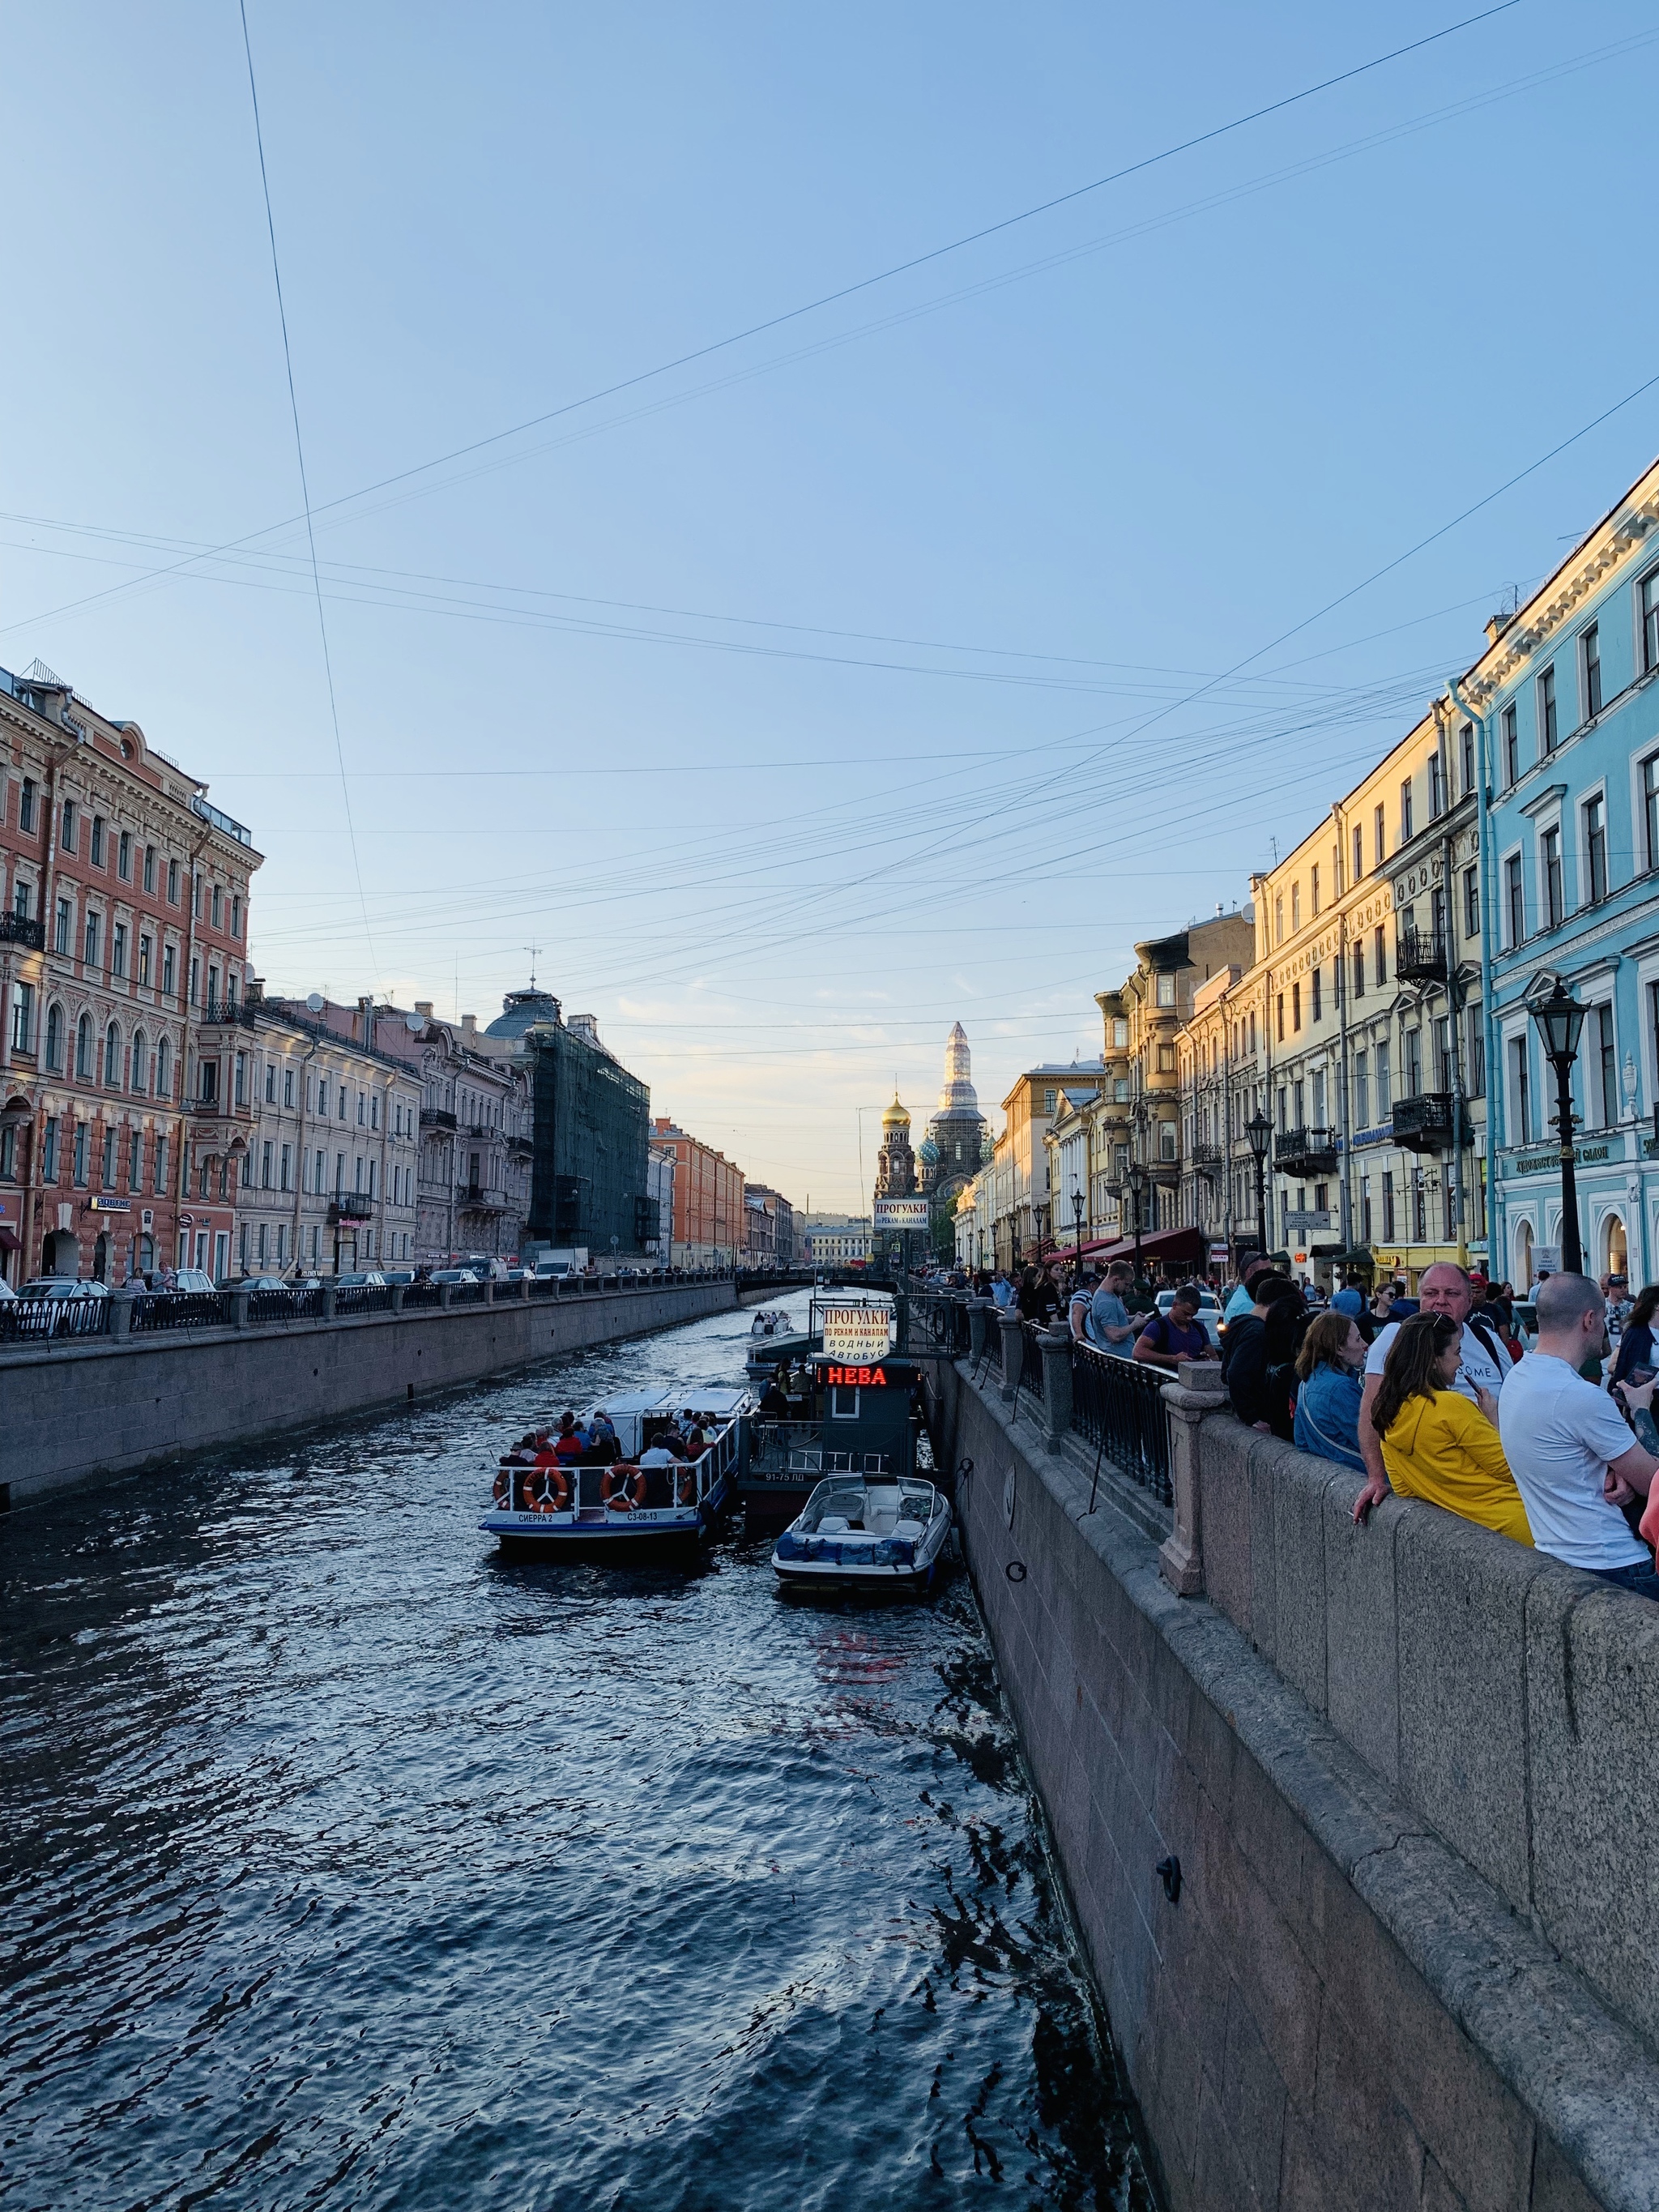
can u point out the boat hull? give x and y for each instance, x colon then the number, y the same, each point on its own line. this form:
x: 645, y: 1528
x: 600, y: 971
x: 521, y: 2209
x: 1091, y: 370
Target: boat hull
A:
x: 877, y: 1581
x: 551, y: 1535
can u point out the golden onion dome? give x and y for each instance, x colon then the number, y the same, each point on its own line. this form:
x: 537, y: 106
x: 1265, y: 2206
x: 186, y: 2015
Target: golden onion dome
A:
x: 895, y: 1117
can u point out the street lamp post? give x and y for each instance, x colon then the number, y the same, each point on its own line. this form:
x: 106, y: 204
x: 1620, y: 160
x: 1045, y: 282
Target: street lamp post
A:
x: 1560, y: 1021
x: 1137, y: 1185
x: 1259, y: 1131
x: 1077, y: 1220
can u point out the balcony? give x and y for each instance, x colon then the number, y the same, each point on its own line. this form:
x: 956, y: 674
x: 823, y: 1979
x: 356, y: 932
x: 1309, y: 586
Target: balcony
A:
x: 224, y: 1011
x: 1205, y: 1155
x: 18, y: 929
x: 436, y: 1117
x: 1419, y: 957
x: 481, y: 1198
x: 1305, y: 1152
x: 349, y: 1206
x: 1423, y: 1124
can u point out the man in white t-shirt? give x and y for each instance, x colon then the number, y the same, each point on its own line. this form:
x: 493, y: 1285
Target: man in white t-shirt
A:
x: 1444, y: 1289
x: 1574, y: 1461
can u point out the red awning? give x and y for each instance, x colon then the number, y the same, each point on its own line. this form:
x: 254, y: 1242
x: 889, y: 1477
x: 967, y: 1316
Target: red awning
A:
x: 1179, y: 1245
x: 9, y: 1240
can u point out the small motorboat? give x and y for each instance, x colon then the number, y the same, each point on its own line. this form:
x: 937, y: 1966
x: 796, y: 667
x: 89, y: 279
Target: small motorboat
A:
x: 627, y: 1494
x: 865, y: 1532
x: 769, y: 1324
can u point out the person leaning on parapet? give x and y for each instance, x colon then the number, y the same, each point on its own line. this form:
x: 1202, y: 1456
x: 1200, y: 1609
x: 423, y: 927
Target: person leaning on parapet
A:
x: 1076, y: 1309
x: 1484, y: 1365
x: 1003, y: 1290
x: 1170, y: 1338
x: 1243, y: 1297
x: 1436, y: 1446
x: 1261, y: 1345
x: 1110, y: 1326
x: 1328, y: 1400
x: 1575, y: 1463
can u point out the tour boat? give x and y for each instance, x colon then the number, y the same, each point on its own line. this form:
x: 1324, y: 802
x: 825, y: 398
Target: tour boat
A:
x: 539, y: 1505
x: 840, y: 1418
x: 865, y: 1531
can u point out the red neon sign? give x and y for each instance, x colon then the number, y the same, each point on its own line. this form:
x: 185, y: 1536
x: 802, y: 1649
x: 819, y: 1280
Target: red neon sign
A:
x: 868, y: 1378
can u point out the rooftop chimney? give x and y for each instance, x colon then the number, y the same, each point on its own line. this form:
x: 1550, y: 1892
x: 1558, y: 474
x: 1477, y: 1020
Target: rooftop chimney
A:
x: 423, y: 1006
x: 469, y: 1025
x: 1497, y: 625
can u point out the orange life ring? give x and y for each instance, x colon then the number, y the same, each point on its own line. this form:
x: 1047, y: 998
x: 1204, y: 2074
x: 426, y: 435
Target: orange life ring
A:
x: 556, y: 1491
x: 622, y: 1487
x: 500, y: 1488
x: 685, y: 1487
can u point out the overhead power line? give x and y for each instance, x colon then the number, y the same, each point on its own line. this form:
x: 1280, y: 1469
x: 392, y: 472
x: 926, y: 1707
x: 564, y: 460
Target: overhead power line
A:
x: 304, y: 493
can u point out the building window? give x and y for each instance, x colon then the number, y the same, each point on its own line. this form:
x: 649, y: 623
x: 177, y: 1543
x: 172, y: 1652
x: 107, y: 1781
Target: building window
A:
x: 140, y: 1060
x: 169, y: 978
x: 1470, y: 901
x: 235, y: 917
x: 163, y: 1071
x: 173, y: 883
x: 1607, y: 1073
x: 113, y: 1058
x: 1466, y: 735
x: 54, y: 1036
x: 1595, y: 849
x: 1279, y: 921
x: 1360, y: 971
x: 81, y: 1154
x: 64, y: 928
x: 266, y: 1151
x: 287, y: 1167
x: 20, y: 900
x: 1384, y: 1079
x: 107, y: 1169
x: 1512, y: 728
x: 1514, y: 901
x: 149, y: 868
x: 123, y: 857
x: 1413, y: 1063
x: 1474, y: 1052
x: 1437, y: 788
x: 1318, y: 1007
x: 1313, y: 889
x: 287, y: 1087
x: 1551, y: 847
x: 1547, y: 723
x: 158, y: 1175
x: 144, y: 948
x: 91, y: 952
x: 117, y: 950
x: 1650, y: 592
x: 135, y: 1160
x: 1406, y: 811
x: 1166, y: 990
x: 83, y: 1049
x: 1296, y: 908
x: 1388, y: 1209
x: 195, y: 980
x: 218, y: 923
x: 1520, y: 1093
x: 1379, y: 831
x: 1420, y: 1211
x: 69, y: 825
x: 26, y: 805
x: 97, y: 840
x: 1362, y: 1090
x: 239, y: 1086
x: 22, y: 1017
x: 1379, y: 951
x: 48, y: 1149
x: 1589, y: 662
x: 270, y: 1083
x: 1295, y: 1005
x: 1166, y: 1060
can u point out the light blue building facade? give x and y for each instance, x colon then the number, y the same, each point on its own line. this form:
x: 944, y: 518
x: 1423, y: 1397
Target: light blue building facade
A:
x: 1564, y: 706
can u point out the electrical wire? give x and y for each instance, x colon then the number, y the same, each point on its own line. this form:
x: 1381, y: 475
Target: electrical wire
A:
x: 304, y: 493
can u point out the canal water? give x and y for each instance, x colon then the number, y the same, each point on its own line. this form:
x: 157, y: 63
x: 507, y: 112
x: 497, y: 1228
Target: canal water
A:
x: 351, y: 1866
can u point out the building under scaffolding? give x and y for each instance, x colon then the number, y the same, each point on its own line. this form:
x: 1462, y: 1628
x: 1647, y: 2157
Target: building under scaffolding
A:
x: 589, y: 1179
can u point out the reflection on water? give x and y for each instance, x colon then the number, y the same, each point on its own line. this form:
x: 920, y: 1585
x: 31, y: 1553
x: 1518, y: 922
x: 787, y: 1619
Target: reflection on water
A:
x: 355, y: 1867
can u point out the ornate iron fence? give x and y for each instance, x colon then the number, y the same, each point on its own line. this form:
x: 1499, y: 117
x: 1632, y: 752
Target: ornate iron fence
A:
x: 363, y: 1297
x: 284, y: 1305
x: 1119, y: 1407
x: 26, y: 1321
x: 181, y: 1309
x: 1031, y: 1357
x: 421, y: 1294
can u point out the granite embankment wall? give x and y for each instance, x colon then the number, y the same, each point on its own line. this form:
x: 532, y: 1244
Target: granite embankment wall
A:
x: 1408, y: 1772
x: 79, y: 1413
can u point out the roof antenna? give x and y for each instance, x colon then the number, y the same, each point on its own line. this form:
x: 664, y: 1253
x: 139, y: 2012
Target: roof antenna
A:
x: 533, y: 950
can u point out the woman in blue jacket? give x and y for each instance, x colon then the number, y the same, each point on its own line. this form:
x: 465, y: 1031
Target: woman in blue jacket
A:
x: 1328, y: 1370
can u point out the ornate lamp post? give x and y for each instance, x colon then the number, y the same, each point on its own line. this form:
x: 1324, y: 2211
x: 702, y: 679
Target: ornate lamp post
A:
x: 1076, y: 1221
x: 1561, y: 1020
x: 1259, y: 1131
x: 1137, y: 1188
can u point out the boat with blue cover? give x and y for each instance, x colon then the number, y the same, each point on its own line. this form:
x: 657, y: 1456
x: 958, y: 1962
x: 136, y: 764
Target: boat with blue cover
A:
x: 865, y: 1532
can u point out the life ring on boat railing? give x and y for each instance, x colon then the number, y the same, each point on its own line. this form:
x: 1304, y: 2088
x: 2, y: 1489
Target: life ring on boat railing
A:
x: 622, y: 1487
x: 685, y: 1487
x: 556, y: 1491
x: 501, y: 1486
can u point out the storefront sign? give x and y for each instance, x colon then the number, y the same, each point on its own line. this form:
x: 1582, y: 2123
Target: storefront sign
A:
x: 1309, y: 1217
x: 857, y: 1335
x: 1540, y: 1162
x: 901, y: 1213
x: 110, y: 1205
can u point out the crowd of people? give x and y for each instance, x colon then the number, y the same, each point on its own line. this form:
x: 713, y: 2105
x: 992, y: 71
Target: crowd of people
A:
x: 1551, y: 1442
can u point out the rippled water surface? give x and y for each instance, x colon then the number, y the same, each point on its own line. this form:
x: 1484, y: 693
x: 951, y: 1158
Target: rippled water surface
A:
x: 351, y: 1866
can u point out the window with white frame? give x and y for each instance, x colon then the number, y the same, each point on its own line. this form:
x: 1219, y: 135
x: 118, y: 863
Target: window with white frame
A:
x: 1521, y: 1129
x: 1590, y: 671
x: 1647, y: 600
x: 1603, y: 1058
x: 1594, y: 815
x: 1549, y: 732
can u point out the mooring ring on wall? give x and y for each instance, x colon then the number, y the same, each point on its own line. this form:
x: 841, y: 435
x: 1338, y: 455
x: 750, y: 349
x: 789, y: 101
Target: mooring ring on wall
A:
x: 1015, y: 1570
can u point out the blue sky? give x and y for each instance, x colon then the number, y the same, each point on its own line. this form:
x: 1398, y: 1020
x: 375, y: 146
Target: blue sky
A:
x: 858, y: 678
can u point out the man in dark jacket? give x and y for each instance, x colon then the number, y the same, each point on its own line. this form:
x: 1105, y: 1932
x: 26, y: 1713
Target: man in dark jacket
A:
x: 1258, y: 1364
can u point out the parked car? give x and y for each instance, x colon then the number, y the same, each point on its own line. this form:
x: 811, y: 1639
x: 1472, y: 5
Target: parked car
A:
x: 358, y: 1282
x: 64, y: 1286
x: 7, y: 1293
x: 264, y: 1283
x: 398, y: 1275
x: 192, y: 1280
x: 455, y: 1275
x: 48, y: 1301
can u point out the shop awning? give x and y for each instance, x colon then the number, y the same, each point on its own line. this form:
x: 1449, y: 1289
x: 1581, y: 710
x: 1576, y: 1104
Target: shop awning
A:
x: 1178, y: 1246
x: 9, y: 1240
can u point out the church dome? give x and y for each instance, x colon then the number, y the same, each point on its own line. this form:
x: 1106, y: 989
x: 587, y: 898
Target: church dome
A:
x: 895, y: 1117
x: 927, y: 1152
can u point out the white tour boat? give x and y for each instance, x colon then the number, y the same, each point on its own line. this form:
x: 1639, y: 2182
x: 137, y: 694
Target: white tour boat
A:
x: 642, y: 1494
x: 871, y: 1532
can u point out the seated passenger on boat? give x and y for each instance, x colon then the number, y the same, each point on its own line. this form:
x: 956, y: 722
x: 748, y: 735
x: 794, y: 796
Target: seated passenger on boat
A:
x: 571, y: 1442
x: 773, y: 1400
x: 657, y: 1453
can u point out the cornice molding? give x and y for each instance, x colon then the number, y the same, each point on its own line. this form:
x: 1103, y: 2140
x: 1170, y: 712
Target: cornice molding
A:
x: 1621, y: 536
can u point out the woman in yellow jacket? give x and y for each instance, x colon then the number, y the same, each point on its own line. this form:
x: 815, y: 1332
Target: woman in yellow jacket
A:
x: 1436, y: 1446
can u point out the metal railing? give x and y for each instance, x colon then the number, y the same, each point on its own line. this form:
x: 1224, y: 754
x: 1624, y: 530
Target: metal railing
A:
x: 181, y: 1309
x: 284, y: 1305
x: 466, y: 1294
x: 1118, y: 1407
x: 1030, y: 1377
x: 26, y: 1321
x: 19, y: 929
x: 363, y: 1297
x: 421, y: 1294
x: 941, y: 1321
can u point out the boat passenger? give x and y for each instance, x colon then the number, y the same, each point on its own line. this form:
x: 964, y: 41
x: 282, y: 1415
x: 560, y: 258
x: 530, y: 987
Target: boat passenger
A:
x: 571, y: 1442
x: 657, y: 1453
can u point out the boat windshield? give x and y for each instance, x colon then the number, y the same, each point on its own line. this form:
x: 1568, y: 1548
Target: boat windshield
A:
x: 842, y: 1508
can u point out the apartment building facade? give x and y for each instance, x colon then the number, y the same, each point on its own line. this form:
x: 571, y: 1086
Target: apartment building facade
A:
x: 709, y: 1208
x: 124, y: 918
